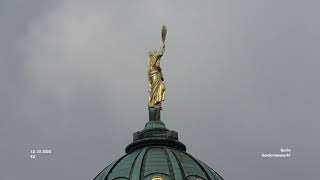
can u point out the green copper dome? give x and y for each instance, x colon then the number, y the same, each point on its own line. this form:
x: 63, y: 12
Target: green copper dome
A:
x: 157, y: 154
x: 153, y: 161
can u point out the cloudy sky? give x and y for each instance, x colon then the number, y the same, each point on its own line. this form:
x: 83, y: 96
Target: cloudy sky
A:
x: 242, y: 79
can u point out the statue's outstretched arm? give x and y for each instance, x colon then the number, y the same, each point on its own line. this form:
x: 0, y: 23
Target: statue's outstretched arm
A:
x: 161, y: 51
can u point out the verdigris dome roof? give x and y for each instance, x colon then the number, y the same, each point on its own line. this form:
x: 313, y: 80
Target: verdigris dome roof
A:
x: 156, y: 154
x: 158, y: 161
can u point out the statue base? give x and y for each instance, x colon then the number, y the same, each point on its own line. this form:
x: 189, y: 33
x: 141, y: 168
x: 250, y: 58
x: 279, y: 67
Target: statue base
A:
x: 154, y: 113
x: 155, y: 133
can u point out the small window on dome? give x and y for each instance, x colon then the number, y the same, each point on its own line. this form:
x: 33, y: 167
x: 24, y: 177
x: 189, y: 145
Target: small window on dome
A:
x: 157, y: 178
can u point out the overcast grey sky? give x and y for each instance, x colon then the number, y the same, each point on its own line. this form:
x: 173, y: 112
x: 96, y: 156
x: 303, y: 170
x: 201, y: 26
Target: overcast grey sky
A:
x: 242, y: 79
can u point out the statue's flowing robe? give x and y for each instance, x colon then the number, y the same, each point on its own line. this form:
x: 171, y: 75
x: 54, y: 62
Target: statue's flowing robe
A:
x: 156, y: 85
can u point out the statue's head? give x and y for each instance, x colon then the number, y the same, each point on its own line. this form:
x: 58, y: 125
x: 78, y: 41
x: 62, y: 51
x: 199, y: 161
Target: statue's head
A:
x: 152, y: 53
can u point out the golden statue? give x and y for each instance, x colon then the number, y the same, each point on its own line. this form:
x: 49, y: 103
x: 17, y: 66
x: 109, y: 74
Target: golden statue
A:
x: 156, y: 85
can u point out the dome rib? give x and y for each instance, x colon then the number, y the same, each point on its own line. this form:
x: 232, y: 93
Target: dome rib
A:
x: 212, y: 176
x: 202, y: 168
x: 213, y: 172
x: 136, y: 169
x: 105, y: 170
x: 123, y: 167
x: 119, y: 178
x: 169, y: 163
x: 133, y: 164
x: 143, y: 163
x: 105, y: 173
x: 180, y: 165
x: 175, y: 164
x: 189, y: 166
